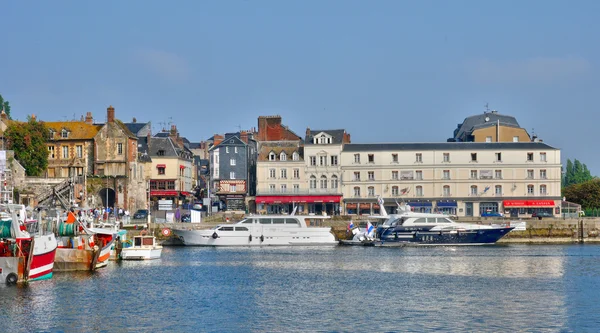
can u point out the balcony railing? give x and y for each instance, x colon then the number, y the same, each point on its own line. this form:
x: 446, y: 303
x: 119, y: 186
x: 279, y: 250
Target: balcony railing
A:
x: 291, y: 191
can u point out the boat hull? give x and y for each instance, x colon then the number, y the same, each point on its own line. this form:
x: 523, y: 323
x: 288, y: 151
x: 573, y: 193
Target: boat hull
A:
x: 130, y: 253
x: 282, y: 237
x: 466, y: 237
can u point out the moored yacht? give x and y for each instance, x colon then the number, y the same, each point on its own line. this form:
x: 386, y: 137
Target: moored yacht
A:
x: 409, y: 227
x: 263, y: 230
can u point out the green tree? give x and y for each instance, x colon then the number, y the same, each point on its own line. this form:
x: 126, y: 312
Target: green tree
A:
x: 5, y: 105
x: 587, y: 194
x: 28, y: 141
x: 576, y: 173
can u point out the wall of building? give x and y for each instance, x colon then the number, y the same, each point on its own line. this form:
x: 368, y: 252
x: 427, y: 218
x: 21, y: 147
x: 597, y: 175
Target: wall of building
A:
x: 507, y: 134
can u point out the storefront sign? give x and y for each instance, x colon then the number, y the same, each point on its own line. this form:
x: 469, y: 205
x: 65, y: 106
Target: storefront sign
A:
x: 528, y: 203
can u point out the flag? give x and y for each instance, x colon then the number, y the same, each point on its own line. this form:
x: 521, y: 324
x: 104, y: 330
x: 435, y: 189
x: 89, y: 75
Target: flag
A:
x: 405, y: 190
x: 369, y: 229
x: 351, y: 225
x: 380, y: 201
x: 487, y: 188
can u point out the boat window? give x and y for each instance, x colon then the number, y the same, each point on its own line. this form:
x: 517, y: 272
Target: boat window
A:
x: 278, y: 221
x: 397, y: 222
x: 265, y: 221
x: 421, y: 220
x: 147, y: 241
x: 291, y: 221
x: 226, y: 229
x: 241, y: 229
x: 137, y: 241
x: 431, y: 220
x: 246, y: 221
x: 443, y: 220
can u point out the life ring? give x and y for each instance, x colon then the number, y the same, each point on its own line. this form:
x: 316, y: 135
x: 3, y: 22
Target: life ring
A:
x: 262, y: 238
x: 215, y: 235
x: 166, y: 232
x: 12, y: 278
x: 250, y: 238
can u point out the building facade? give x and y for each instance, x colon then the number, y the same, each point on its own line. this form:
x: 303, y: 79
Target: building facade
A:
x: 233, y: 171
x: 463, y: 179
x: 490, y: 127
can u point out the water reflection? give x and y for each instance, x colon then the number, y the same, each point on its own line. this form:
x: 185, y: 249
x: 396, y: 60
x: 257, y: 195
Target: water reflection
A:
x: 501, y: 288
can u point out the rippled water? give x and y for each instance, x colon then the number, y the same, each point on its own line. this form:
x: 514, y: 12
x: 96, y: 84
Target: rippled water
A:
x: 349, y: 289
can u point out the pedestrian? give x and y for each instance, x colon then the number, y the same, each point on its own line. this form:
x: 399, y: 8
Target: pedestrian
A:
x: 177, y: 215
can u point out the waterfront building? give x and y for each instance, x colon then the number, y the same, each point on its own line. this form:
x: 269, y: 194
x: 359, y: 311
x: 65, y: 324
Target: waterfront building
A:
x: 457, y: 178
x: 490, y: 126
x: 172, y: 175
x: 233, y: 170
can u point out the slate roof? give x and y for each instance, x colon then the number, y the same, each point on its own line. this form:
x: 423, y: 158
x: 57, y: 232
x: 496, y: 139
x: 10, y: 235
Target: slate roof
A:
x: 135, y: 127
x: 357, y: 147
x: 263, y: 154
x: 162, y: 135
x: 478, y: 121
x: 78, y: 130
x: 337, y: 135
x: 164, y: 144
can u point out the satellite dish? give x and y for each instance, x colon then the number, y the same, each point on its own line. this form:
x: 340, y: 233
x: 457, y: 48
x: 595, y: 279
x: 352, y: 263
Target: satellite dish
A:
x: 487, y: 118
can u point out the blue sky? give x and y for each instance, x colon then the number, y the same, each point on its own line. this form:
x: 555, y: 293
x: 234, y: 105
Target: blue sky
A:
x: 386, y: 71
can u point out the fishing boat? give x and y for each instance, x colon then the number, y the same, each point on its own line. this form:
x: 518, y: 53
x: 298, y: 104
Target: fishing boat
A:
x: 263, y: 230
x: 409, y: 228
x: 144, y: 247
x: 81, y: 248
x: 24, y: 255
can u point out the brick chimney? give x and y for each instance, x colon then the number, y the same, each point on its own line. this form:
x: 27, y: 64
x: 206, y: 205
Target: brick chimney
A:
x: 148, y: 139
x: 346, y: 138
x: 217, y: 139
x: 89, y: 119
x: 134, y: 120
x: 110, y: 114
x: 244, y: 136
x: 307, y: 132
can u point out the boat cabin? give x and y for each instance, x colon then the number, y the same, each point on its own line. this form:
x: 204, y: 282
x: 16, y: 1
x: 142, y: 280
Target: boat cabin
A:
x: 144, y: 241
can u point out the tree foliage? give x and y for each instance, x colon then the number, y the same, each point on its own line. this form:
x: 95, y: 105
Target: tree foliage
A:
x: 28, y: 141
x: 587, y: 194
x: 576, y: 173
x: 5, y: 105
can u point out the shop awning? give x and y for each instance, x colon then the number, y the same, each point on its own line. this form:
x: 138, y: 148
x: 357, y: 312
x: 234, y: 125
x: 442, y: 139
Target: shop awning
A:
x: 298, y: 198
x: 419, y: 204
x: 447, y: 203
x: 161, y: 165
x: 528, y: 203
x: 184, y: 193
x: 164, y: 193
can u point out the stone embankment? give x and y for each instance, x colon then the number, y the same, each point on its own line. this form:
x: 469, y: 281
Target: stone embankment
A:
x: 546, y: 231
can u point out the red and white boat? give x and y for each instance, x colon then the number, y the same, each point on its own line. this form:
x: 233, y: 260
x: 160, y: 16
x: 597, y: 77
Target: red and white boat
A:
x: 24, y: 255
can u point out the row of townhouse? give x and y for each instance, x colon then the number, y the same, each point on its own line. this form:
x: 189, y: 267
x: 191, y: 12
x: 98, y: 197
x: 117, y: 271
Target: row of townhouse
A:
x: 118, y: 164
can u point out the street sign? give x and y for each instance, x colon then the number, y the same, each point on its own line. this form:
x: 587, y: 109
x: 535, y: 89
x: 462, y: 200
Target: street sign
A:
x: 165, y: 204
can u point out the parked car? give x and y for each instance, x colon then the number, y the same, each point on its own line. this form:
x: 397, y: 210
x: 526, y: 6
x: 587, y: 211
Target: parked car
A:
x: 186, y: 218
x: 540, y: 215
x: 141, y: 214
x: 491, y: 214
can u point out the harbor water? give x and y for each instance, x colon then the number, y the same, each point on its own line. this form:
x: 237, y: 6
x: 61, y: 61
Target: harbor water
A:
x: 501, y: 288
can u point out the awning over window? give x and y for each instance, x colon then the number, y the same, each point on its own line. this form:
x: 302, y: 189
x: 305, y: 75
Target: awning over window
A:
x: 298, y: 199
x: 164, y: 193
x: 420, y: 204
x: 161, y: 165
x: 447, y: 203
x: 528, y: 203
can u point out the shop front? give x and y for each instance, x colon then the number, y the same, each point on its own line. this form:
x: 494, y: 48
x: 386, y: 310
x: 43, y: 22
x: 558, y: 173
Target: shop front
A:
x: 527, y: 208
x: 306, y: 204
x: 447, y: 207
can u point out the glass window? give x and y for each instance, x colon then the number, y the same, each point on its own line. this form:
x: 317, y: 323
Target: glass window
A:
x: 419, y: 157
x: 283, y: 188
x: 529, y: 174
x: 357, y: 176
x: 119, y: 148
x: 395, y: 175
x: 323, y: 182
x: 334, y: 160
x: 542, y: 174
x: 334, y: 181
x: 446, y: 174
x: 515, y: 139
x: 488, y: 139
x: 232, y: 161
x: 543, y: 157
x: 394, y: 158
x: 357, y: 191
x: 241, y: 229
x: 357, y: 158
x: 498, y: 189
x: 284, y: 173
x: 371, y: 158
x: 313, y: 182
x: 395, y: 190
x: 498, y: 174
x: 272, y: 173
x: 296, y: 173
x: 446, y: 190
x: 419, y: 175
x: 446, y: 157
x: 529, y: 157
x: 272, y: 156
x: 473, y: 189
x: 498, y: 157
x: 282, y: 156
x: 371, y: 191
x: 323, y: 160
x: 313, y: 160
x: 65, y: 153
x: 419, y: 191
x: 371, y: 175
x: 79, y: 150
x: 161, y: 171
x: 473, y: 157
x: 543, y: 190
x: 473, y: 174
x: 232, y: 175
x: 295, y: 156
x: 530, y: 189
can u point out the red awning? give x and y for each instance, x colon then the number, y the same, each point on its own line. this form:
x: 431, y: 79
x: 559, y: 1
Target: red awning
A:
x: 528, y: 203
x: 161, y: 165
x: 298, y: 198
x: 184, y: 193
x: 164, y: 193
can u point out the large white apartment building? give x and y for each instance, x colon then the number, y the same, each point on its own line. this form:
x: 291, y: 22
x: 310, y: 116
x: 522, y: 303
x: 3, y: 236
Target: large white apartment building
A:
x: 457, y: 178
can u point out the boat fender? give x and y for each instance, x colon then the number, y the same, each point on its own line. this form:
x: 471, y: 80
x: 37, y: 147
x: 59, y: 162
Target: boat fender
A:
x: 250, y: 238
x: 91, y: 241
x: 262, y: 238
x: 11, y: 278
x: 214, y: 235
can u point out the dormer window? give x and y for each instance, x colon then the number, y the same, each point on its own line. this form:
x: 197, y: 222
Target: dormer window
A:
x: 51, y: 133
x: 64, y: 134
x: 272, y: 156
x: 322, y: 139
x: 295, y: 156
x: 160, y: 153
x: 282, y: 156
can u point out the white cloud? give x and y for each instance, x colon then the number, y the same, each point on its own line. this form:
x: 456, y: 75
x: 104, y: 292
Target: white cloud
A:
x: 536, y: 70
x: 165, y: 64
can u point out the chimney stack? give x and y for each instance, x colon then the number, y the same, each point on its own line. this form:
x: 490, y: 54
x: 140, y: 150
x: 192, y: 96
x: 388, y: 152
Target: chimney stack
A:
x: 110, y: 114
x: 217, y: 139
x: 307, y: 132
x: 244, y: 136
x: 134, y: 120
x: 148, y: 140
x: 89, y: 119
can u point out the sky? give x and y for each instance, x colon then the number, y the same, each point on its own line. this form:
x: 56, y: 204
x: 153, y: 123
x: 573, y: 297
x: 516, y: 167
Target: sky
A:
x: 385, y: 71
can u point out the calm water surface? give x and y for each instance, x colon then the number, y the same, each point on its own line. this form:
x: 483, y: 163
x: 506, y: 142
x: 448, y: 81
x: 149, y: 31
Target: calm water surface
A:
x: 508, y: 288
